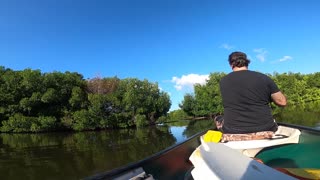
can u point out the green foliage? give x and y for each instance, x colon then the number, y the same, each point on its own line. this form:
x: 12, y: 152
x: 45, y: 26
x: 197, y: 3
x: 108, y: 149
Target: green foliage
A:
x: 163, y: 104
x: 20, y: 123
x: 41, y: 100
x: 66, y: 121
x: 100, y: 109
x: 306, y: 116
x: 178, y: 115
x: 83, y: 121
x: 162, y: 119
x: 141, y: 120
x: 31, y: 101
x: 206, y: 99
x: 120, y: 120
x: 78, y: 98
x: 188, y: 104
x: 17, y: 123
x: 301, y: 91
x: 143, y: 97
x: 50, y: 96
x: 31, y: 81
x: 42, y: 123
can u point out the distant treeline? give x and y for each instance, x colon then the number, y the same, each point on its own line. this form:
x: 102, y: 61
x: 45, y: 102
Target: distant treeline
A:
x: 302, y: 91
x: 31, y: 101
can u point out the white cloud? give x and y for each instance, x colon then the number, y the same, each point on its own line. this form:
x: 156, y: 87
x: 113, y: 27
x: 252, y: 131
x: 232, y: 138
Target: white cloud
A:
x: 187, y: 81
x: 226, y: 46
x: 285, y: 58
x: 261, y: 54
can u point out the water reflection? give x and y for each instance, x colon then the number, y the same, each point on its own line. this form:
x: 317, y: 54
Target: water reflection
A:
x: 305, y: 114
x: 77, y: 155
x: 178, y: 131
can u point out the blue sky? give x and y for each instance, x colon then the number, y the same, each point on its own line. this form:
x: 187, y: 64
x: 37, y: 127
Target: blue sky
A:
x: 175, y: 43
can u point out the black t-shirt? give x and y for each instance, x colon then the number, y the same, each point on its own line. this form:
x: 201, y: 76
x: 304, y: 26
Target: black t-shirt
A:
x: 246, y: 97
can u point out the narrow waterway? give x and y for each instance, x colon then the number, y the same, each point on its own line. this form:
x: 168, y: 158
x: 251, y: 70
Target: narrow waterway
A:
x: 78, y: 155
x: 83, y: 154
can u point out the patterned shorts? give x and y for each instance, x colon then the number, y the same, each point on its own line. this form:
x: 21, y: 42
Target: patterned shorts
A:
x: 241, y: 137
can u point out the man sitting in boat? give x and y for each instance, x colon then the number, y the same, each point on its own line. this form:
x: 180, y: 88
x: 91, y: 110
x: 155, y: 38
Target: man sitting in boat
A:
x: 246, y: 97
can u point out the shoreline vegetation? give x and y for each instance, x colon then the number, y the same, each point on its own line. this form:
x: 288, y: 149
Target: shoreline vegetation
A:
x: 32, y: 101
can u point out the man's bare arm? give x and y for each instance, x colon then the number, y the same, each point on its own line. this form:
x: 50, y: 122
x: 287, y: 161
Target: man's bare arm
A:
x: 279, y: 99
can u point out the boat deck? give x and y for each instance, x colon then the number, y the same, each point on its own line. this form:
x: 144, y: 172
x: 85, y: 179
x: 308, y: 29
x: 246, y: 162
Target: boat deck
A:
x: 305, y: 154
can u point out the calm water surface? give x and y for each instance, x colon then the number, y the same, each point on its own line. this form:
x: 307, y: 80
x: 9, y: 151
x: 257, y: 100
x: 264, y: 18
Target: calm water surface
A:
x: 78, y: 155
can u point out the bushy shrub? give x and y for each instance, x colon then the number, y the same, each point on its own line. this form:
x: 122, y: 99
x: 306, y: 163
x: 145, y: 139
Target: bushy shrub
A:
x: 162, y: 119
x: 141, y: 120
x: 83, y: 121
x: 17, y: 123
x: 47, y: 123
x: 110, y: 122
x: 21, y: 123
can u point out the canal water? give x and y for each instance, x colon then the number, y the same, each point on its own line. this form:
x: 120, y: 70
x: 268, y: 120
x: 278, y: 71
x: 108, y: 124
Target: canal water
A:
x: 79, y: 155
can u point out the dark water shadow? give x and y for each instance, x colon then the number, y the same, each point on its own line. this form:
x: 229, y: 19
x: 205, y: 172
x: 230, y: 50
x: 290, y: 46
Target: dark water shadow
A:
x: 282, y: 162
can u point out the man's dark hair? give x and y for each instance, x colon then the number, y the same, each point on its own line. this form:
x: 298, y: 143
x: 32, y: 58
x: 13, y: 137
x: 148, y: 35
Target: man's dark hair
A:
x: 238, y: 59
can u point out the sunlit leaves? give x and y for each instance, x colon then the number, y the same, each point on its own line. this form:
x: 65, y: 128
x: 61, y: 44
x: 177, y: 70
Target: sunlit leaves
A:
x: 40, y: 100
x: 301, y: 91
x: 78, y: 98
x: 206, y: 99
x: 188, y: 104
x: 143, y: 97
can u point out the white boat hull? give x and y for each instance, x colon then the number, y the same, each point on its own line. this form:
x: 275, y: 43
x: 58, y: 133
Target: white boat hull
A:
x: 232, y: 160
x: 217, y: 161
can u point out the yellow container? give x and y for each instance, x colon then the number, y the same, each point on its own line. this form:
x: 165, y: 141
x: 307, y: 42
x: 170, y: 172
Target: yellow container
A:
x: 212, y: 136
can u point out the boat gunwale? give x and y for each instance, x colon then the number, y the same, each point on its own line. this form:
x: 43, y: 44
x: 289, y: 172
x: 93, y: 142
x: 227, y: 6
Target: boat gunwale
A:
x: 300, y: 127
